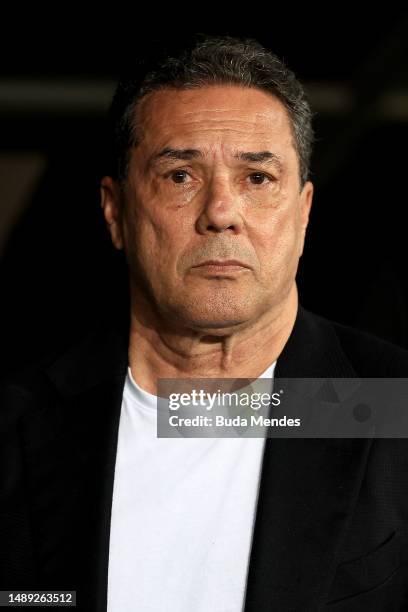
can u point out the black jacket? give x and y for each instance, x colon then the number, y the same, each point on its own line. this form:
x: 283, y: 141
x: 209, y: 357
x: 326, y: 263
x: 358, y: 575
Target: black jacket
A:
x: 331, y: 527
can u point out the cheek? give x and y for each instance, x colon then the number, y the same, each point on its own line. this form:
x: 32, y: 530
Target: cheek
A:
x: 276, y: 243
x: 154, y: 241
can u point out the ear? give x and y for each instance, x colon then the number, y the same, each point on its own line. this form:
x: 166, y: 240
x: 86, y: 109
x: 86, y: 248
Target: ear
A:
x: 111, y: 204
x: 306, y: 197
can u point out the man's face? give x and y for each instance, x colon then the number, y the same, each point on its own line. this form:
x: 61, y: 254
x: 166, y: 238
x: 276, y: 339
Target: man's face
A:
x: 215, y: 177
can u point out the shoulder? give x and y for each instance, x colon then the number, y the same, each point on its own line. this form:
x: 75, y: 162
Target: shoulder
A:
x: 30, y: 389
x: 96, y: 355
x: 369, y: 355
x: 25, y: 391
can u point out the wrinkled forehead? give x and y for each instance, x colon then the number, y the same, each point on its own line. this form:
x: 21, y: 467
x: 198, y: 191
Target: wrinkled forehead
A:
x: 217, y: 120
x: 223, y: 106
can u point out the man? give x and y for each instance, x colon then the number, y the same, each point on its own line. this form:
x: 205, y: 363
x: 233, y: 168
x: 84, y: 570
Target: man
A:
x: 210, y: 203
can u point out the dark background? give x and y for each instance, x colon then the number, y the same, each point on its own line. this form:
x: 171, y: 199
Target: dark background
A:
x: 58, y: 270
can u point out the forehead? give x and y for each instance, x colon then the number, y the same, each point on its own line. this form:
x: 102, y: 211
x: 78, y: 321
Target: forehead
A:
x: 214, y: 114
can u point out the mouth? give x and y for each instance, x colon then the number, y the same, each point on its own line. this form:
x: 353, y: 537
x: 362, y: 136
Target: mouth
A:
x: 222, y: 263
x: 222, y: 266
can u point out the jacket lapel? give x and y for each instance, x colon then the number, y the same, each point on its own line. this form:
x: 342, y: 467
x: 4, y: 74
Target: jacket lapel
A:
x: 308, y: 488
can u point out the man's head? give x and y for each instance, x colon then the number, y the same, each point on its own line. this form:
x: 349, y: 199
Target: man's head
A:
x: 213, y: 150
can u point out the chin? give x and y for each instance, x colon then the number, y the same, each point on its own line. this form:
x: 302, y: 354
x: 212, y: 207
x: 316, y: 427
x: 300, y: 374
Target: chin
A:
x: 213, y: 320
x: 211, y: 310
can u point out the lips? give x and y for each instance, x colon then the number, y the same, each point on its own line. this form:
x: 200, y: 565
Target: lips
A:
x: 222, y: 263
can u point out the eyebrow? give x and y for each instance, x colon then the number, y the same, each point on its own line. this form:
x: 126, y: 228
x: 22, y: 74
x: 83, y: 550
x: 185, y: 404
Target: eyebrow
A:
x: 263, y: 157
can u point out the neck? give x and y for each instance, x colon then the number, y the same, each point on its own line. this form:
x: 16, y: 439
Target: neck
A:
x: 158, y: 350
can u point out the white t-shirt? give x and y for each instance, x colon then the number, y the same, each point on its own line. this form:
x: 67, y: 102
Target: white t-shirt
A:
x: 182, y: 515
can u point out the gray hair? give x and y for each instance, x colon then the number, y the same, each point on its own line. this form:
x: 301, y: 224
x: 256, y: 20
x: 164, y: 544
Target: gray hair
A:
x: 211, y: 60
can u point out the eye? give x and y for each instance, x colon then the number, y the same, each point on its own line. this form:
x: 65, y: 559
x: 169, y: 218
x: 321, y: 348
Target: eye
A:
x: 178, y: 176
x: 258, y: 178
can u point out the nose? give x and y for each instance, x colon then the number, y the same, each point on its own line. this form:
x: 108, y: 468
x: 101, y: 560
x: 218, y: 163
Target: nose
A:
x: 221, y: 209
